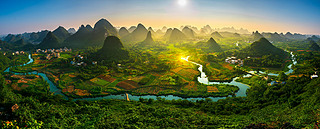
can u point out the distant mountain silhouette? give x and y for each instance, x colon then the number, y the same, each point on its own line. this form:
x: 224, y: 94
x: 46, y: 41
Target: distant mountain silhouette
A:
x: 232, y: 30
x: 188, y: 32
x: 123, y: 32
x: 86, y: 36
x: 148, y: 41
x: 151, y: 30
x: 149, y: 38
x: 256, y: 36
x: 10, y: 38
x: 294, y: 36
x: 274, y: 36
x: 288, y: 35
x: 61, y: 33
x: 236, y: 35
x: 101, y: 30
x: 216, y: 35
x: 71, y: 30
x: 104, y: 26
x: 264, y: 47
x: 38, y: 37
x: 132, y: 28
x: 112, y: 50
x: 205, y: 30
x: 79, y: 39
x: 313, y: 46
x: 139, y: 34
x: 159, y: 33
x: 314, y: 38
x: 89, y: 27
x: 168, y: 33
x: 177, y: 35
x: 164, y: 29
x: 20, y: 42
x: 50, y: 41
x: 195, y: 29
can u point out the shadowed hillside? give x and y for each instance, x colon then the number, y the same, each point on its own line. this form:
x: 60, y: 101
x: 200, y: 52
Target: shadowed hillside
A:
x: 112, y: 50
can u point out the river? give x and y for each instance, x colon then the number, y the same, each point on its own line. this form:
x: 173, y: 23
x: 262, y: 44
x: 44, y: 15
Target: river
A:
x: 201, y: 79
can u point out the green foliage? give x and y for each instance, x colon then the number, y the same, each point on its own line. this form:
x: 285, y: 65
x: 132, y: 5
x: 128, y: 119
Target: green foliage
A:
x: 144, y: 80
x: 272, y: 61
x: 314, y: 46
x: 282, y: 77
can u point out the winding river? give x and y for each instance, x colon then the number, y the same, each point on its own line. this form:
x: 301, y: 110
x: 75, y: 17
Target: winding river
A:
x: 201, y: 79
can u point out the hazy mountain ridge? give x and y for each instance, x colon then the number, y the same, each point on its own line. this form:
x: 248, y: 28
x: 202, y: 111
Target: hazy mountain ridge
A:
x: 87, y: 36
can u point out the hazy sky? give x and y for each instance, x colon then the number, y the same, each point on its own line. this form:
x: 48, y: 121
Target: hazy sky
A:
x: 300, y: 16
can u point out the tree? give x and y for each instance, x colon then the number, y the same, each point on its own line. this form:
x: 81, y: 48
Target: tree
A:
x: 282, y: 77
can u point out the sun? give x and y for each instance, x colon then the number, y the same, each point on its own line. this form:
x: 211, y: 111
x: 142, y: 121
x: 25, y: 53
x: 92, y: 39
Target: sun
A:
x: 182, y: 2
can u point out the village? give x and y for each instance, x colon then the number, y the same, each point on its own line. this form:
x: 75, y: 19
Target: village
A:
x: 50, y: 53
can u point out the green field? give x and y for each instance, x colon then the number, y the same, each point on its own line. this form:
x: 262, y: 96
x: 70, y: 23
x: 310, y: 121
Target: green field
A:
x: 99, y: 81
x: 65, y: 55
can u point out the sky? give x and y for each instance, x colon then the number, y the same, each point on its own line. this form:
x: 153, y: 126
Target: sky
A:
x: 296, y: 16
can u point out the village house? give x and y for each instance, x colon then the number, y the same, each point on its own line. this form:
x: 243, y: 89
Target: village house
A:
x: 79, y: 56
x: 54, y: 54
x: 234, y: 60
x: 54, y: 50
x: 48, y: 57
x: 276, y: 82
x: 314, y: 76
x: 57, y: 54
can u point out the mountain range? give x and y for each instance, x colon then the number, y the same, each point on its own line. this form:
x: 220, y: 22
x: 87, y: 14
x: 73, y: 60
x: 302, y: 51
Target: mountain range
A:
x: 87, y: 36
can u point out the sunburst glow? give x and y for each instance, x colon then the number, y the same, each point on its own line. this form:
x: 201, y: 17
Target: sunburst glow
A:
x: 182, y: 2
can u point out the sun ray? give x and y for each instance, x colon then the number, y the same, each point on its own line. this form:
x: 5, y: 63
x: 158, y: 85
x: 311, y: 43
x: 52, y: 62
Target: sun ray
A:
x: 182, y: 2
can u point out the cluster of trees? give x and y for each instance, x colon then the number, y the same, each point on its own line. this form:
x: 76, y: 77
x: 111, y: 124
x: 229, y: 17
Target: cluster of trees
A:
x: 265, y: 61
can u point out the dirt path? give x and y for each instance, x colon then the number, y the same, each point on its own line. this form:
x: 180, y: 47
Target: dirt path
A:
x: 127, y: 97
